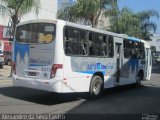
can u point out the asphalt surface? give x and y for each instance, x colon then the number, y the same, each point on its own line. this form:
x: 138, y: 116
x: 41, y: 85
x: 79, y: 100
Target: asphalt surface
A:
x: 121, y: 100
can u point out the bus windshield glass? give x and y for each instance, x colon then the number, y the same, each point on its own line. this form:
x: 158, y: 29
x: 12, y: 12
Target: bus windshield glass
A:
x: 41, y: 33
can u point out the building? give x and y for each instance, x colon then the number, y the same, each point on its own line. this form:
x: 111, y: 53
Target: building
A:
x: 156, y: 42
x: 48, y: 10
x: 4, y: 37
x: 65, y: 3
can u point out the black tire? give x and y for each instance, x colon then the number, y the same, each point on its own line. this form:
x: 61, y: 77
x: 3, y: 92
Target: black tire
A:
x: 138, y: 81
x: 96, y: 87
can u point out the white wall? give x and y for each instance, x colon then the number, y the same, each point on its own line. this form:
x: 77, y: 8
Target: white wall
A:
x: 3, y: 18
x: 156, y: 41
x: 48, y: 10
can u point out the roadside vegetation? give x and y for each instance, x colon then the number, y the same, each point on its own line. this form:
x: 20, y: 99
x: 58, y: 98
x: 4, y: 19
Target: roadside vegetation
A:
x: 16, y: 9
x: 124, y: 21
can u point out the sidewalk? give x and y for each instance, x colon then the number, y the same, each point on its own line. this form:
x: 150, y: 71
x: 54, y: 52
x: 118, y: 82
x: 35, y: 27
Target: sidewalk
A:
x: 156, y: 67
x: 5, y: 78
x: 4, y: 75
x: 5, y: 72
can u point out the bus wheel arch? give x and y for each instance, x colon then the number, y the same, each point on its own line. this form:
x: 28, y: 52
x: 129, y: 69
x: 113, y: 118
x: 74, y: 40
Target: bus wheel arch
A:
x: 96, y: 85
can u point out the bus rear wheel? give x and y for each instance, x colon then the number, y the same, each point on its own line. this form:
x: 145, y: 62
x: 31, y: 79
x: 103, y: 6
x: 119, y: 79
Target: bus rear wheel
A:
x: 96, y: 86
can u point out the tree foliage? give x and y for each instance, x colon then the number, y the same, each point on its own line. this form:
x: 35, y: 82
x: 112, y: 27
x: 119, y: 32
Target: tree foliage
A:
x: 123, y: 21
x: 88, y: 11
x: 146, y: 24
x: 16, y: 9
x: 134, y: 24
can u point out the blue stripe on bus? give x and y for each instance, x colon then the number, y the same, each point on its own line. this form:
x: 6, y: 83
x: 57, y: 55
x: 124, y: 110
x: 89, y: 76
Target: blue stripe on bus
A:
x: 91, y: 72
x: 36, y: 65
x: 134, y: 39
x: 22, y: 50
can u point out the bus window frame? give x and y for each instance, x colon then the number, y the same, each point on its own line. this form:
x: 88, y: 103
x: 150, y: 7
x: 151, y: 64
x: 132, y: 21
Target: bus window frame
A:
x: 55, y: 31
x: 87, y: 42
x: 64, y: 41
x: 142, y: 52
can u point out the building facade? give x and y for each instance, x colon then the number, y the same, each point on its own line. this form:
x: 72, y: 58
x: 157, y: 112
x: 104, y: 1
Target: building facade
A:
x: 48, y: 10
x: 156, y: 41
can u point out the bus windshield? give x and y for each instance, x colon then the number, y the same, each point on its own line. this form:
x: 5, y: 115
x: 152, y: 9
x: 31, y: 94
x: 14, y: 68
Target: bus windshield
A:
x: 41, y: 33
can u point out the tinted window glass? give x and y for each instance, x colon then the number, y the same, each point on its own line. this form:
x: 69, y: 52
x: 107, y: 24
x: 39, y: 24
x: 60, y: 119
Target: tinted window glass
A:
x: 133, y: 49
x: 81, y: 42
x: 74, y: 41
x: 36, y: 33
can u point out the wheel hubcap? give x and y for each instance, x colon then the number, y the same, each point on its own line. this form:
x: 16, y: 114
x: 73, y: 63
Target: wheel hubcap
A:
x: 97, y: 87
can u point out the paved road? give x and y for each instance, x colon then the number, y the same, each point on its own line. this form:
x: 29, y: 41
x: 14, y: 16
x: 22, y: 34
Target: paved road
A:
x: 145, y: 99
x: 5, y: 72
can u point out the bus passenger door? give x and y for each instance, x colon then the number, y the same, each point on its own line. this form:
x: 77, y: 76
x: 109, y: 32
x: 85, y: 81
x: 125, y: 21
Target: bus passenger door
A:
x: 148, y: 66
x: 118, y: 54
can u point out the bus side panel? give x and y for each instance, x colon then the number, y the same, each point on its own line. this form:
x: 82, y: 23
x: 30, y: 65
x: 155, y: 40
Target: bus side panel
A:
x: 108, y: 67
x: 130, y: 70
x: 77, y: 78
x: 79, y: 71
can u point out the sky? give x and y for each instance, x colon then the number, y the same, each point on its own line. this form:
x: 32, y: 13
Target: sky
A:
x: 139, y: 5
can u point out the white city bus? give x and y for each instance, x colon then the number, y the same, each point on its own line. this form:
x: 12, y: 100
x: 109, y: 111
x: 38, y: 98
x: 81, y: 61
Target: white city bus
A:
x: 63, y: 57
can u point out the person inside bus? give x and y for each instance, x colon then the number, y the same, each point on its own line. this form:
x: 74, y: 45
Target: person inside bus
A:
x: 102, y: 47
x: 91, y: 51
x: 68, y: 48
x: 82, y: 49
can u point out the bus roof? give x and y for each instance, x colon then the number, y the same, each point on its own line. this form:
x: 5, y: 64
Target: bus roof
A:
x: 37, y: 21
x: 84, y: 27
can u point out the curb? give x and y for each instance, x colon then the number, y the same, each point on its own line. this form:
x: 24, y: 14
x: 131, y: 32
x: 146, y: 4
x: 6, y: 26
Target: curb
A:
x: 3, y: 79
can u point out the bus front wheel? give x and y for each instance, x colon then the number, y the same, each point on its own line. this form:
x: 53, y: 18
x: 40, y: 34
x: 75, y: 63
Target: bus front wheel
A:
x: 138, y: 81
x: 96, y: 86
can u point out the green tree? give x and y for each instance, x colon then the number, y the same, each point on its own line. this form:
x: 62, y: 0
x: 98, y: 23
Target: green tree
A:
x: 88, y: 11
x: 16, y: 9
x: 134, y: 24
x: 125, y: 22
x: 147, y: 26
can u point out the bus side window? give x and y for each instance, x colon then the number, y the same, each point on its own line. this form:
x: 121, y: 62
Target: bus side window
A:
x: 83, y: 43
x: 142, y: 51
x: 66, y: 34
x: 75, y: 41
x: 68, y: 48
x: 110, y: 46
x: 102, y: 45
x: 91, y: 52
x: 127, y: 48
x: 91, y: 48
